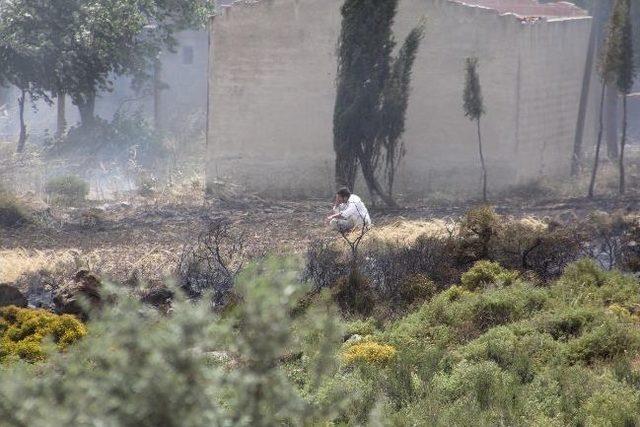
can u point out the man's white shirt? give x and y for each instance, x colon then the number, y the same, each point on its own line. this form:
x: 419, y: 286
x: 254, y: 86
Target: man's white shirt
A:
x: 356, y: 211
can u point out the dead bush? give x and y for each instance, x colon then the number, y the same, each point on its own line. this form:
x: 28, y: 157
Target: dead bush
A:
x: 12, y: 213
x: 629, y: 259
x: 477, y: 230
x: 390, y: 266
x: 354, y: 294
x: 212, y: 263
x: 325, y: 264
x: 544, y: 250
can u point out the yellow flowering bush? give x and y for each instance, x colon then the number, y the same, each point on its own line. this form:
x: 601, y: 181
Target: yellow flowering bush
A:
x: 369, y: 352
x: 22, y: 331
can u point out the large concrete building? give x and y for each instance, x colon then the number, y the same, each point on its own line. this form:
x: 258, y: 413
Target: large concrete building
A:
x: 272, y: 93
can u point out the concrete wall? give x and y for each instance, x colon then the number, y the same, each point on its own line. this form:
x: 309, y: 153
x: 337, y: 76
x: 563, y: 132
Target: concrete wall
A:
x: 272, y: 92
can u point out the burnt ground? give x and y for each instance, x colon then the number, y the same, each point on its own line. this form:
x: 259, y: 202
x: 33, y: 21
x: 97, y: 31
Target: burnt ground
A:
x: 147, y: 235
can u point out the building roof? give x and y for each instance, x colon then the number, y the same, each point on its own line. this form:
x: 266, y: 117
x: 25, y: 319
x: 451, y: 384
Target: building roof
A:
x: 529, y: 8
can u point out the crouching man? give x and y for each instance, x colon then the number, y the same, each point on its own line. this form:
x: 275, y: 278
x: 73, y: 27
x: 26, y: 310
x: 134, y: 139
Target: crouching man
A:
x: 348, y: 212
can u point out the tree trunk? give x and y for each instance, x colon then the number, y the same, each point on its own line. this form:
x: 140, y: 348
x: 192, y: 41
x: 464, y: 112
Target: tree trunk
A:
x: 61, y: 123
x: 157, y: 94
x: 623, y: 143
x: 576, y: 162
x: 23, y: 127
x: 368, y: 172
x: 346, y: 169
x: 594, y: 172
x: 611, y: 121
x: 484, y: 167
x: 86, y: 109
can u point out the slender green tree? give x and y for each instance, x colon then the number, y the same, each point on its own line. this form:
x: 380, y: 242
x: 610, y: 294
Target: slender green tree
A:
x: 473, y: 106
x: 616, y: 68
x: 621, y: 53
x: 372, y: 94
x: 394, y: 109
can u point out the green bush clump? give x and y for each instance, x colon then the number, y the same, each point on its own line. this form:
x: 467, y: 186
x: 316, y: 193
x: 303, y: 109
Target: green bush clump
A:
x: 568, y: 322
x: 128, y: 133
x: 141, y: 367
x: 362, y: 327
x: 508, y: 305
x: 416, y: 288
x: 517, y: 348
x: 482, y: 385
x: 565, y: 353
x: 607, y: 341
x: 68, y: 189
x: 587, y: 283
x: 485, y: 273
x: 23, y: 331
x: 12, y: 213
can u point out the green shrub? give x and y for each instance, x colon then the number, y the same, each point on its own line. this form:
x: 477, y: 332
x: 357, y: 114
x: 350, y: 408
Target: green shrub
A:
x: 68, y: 189
x: 506, y: 305
x: 127, y: 133
x: 23, y: 330
x: 481, y: 384
x: 568, y: 322
x: 519, y: 349
x: 362, y: 327
x: 606, y: 341
x: 586, y: 283
x: 416, y: 288
x: 614, y: 404
x: 485, y: 273
x: 12, y: 213
x: 141, y: 367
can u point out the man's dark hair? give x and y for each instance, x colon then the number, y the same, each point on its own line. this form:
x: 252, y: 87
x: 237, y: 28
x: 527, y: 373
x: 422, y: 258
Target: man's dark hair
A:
x: 344, y: 192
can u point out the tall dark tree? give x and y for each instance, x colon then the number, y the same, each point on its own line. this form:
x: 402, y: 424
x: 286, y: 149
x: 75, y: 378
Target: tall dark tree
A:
x: 473, y: 106
x: 372, y: 93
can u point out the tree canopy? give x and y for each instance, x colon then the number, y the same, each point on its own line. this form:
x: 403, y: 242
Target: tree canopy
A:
x: 82, y: 44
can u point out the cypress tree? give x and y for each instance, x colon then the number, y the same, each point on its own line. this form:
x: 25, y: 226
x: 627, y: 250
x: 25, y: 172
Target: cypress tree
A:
x: 616, y: 68
x: 372, y: 93
x: 473, y: 106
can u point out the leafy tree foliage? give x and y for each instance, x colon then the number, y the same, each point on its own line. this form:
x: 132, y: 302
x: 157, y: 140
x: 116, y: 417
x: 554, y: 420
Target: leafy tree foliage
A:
x: 82, y: 44
x: 22, y: 65
x: 373, y: 93
x: 473, y: 106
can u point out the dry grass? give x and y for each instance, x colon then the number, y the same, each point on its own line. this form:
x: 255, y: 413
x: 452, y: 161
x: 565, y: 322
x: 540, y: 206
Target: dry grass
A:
x: 116, y: 262
x: 17, y: 262
x: 405, y: 232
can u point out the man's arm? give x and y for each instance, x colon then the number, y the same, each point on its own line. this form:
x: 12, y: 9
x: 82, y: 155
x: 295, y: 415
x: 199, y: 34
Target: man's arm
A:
x: 335, y: 216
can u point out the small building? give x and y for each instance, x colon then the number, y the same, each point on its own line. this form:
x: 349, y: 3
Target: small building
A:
x: 272, y: 92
